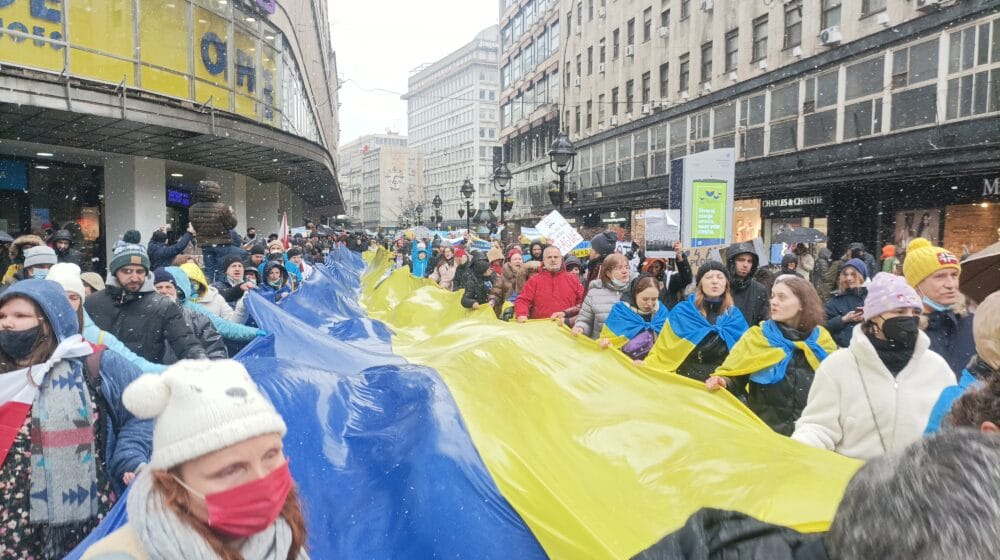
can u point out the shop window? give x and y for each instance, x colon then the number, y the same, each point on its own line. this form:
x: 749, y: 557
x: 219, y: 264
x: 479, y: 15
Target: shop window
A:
x: 865, y: 78
x: 678, y: 138
x: 723, y: 126
x: 641, y: 146
x: 584, y: 156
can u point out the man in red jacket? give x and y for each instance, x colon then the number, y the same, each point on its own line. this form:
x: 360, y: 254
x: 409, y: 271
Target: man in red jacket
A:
x: 553, y: 293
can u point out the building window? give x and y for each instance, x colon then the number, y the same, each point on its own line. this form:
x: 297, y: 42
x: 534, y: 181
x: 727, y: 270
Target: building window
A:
x: 685, y: 9
x: 977, y: 90
x: 759, y: 39
x: 615, y: 43
x: 752, y: 126
x: 590, y: 60
x: 685, y: 72
x: 865, y: 78
x: 590, y: 10
x: 579, y: 65
x: 784, y: 117
x: 576, y: 119
x: 602, y: 52
x: 590, y: 113
x: 706, y: 62
x: 829, y: 13
x: 793, y: 24
x: 664, y: 80
x: 914, y: 65
x: 647, y: 24
x: 641, y: 149
x: 569, y: 22
x: 724, y: 126
x: 630, y: 32
x: 629, y: 95
x: 869, y: 7
x: 600, y: 108
x: 678, y: 138
x: 732, y: 50
x: 614, y: 101
x: 646, y: 86
x: 625, y: 157
x: 820, y: 109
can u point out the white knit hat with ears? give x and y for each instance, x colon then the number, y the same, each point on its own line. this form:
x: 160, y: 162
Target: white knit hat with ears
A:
x: 200, y: 406
x: 68, y: 275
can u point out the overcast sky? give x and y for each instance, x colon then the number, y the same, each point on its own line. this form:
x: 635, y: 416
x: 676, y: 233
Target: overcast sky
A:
x: 378, y: 42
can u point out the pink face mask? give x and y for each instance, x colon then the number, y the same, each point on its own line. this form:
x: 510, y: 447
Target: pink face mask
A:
x: 249, y: 508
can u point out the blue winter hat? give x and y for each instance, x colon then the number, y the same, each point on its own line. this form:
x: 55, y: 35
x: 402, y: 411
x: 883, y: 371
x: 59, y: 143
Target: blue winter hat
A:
x: 858, y: 265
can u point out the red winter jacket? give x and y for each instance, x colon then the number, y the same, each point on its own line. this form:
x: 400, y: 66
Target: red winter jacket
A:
x: 547, y: 293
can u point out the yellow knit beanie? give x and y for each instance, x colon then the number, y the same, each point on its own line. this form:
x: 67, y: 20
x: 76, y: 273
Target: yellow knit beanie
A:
x: 924, y: 259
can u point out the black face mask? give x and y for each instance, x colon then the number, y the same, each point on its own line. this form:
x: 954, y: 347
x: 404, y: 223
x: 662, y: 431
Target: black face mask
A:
x: 20, y: 344
x: 902, y: 330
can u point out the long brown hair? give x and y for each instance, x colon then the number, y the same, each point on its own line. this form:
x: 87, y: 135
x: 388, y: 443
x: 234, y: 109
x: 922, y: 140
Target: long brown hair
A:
x: 176, y: 499
x: 44, y: 347
x: 812, y: 314
x: 611, y: 262
x: 727, y: 299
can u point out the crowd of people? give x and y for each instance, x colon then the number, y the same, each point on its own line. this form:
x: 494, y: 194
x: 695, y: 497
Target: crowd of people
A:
x: 124, y: 380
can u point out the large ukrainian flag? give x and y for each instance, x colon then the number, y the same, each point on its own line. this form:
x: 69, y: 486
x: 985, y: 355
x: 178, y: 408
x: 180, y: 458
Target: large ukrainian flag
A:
x: 418, y: 429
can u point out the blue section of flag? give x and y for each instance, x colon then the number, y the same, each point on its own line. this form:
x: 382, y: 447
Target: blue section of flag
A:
x: 383, y: 462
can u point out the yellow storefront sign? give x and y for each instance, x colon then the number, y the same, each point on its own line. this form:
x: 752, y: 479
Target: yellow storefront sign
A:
x: 208, y: 52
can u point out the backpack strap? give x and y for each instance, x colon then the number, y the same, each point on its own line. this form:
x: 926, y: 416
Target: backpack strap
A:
x: 92, y: 364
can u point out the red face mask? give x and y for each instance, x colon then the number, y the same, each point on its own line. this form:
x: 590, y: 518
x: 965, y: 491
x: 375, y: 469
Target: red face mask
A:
x: 249, y: 508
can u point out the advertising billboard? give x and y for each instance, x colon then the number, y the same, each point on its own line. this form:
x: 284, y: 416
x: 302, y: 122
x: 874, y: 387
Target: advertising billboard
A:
x: 222, y: 56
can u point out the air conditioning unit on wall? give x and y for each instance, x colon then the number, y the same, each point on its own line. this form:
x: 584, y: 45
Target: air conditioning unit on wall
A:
x: 600, y: 67
x: 928, y: 5
x: 630, y: 50
x: 663, y: 32
x: 831, y: 35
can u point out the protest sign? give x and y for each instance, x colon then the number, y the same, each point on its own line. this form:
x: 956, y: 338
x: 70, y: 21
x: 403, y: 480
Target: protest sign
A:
x: 582, y: 251
x: 559, y: 232
x: 662, y: 230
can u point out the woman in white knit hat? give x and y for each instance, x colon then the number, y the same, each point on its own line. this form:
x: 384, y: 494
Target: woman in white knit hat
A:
x: 218, y: 484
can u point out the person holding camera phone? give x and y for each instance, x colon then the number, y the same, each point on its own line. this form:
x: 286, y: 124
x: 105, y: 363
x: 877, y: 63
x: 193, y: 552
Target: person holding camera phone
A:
x: 845, y: 308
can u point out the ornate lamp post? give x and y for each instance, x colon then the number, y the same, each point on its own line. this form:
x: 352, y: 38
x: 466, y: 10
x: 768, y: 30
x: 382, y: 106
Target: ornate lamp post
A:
x: 562, y: 155
x: 467, y: 191
x: 436, y: 203
x: 501, y: 178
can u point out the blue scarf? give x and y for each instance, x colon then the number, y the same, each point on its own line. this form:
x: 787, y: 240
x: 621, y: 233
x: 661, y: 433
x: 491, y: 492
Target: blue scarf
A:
x: 777, y: 339
x: 624, y: 321
x: 688, y: 323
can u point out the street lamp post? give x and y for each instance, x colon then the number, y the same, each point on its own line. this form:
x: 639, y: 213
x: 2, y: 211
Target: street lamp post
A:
x: 467, y: 191
x: 436, y: 203
x: 561, y: 158
x: 501, y: 177
x: 420, y: 214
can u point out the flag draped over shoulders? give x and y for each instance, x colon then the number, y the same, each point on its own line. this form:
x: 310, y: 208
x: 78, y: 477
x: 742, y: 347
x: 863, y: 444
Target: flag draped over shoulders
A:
x: 686, y: 328
x: 765, y: 353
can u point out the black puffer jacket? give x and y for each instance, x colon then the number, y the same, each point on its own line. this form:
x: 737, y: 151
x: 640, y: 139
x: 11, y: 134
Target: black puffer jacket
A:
x: 715, y: 534
x: 749, y: 295
x: 212, y: 220
x: 673, y: 289
x: 780, y: 405
x: 478, y: 288
x: 839, y: 305
x: 144, y: 321
x: 205, y: 332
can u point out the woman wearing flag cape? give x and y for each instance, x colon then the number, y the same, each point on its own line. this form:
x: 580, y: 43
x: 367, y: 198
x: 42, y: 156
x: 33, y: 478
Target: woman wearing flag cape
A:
x: 780, y: 355
x: 635, y: 322
x: 702, y: 329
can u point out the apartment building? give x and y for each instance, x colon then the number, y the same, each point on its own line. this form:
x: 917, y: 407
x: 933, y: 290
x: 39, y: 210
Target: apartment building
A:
x: 858, y: 117
x: 352, y: 155
x: 531, y: 92
x: 453, y: 121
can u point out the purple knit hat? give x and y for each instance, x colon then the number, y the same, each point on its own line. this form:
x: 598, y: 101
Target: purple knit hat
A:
x: 888, y: 292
